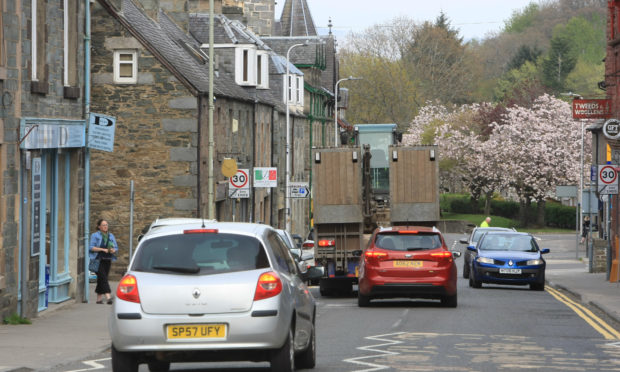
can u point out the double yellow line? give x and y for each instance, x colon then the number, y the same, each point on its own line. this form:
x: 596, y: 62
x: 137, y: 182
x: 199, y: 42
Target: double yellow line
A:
x: 597, y: 323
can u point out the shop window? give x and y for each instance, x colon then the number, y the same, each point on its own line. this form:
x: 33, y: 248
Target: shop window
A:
x: 125, y: 66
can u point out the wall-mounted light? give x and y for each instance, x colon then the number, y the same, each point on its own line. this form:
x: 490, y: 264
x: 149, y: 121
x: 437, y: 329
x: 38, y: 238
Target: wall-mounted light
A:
x: 394, y: 155
x: 354, y: 153
x: 432, y: 155
x: 317, y: 157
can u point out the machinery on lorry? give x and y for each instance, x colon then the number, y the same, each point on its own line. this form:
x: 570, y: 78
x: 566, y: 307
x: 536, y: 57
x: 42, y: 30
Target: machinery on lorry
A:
x: 358, y: 187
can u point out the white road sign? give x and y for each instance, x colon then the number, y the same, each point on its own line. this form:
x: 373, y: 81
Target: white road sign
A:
x: 607, y: 179
x: 298, y: 190
x: 239, y: 184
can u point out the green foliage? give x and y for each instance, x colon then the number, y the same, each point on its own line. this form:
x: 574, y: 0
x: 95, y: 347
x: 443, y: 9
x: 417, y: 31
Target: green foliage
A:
x: 15, y: 319
x: 559, y: 62
x: 504, y: 213
x: 517, y: 81
x: 584, y: 79
x: 520, y: 21
x: 525, y: 54
x: 586, y: 37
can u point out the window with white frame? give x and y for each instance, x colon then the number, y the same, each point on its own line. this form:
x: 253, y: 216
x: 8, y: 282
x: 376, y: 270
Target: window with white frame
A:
x: 262, y: 70
x: 245, y: 65
x: 300, y: 90
x: 125, y: 66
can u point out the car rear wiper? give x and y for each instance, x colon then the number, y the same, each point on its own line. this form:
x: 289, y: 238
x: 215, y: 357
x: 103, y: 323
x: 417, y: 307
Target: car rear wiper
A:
x: 177, y: 269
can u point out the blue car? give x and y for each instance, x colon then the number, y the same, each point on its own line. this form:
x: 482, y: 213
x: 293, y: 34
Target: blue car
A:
x: 512, y: 258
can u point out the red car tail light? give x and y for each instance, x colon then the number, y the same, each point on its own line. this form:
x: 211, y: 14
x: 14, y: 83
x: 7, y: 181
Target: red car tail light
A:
x: 442, y: 256
x: 408, y: 232
x: 374, y: 256
x: 327, y: 243
x: 307, y: 245
x: 127, y: 289
x: 269, y: 285
x: 200, y: 231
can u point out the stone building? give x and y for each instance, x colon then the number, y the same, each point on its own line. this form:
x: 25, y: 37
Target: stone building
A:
x: 42, y: 139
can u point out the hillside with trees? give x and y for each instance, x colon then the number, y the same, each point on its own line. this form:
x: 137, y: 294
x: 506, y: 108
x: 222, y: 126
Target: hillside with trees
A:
x: 492, y: 105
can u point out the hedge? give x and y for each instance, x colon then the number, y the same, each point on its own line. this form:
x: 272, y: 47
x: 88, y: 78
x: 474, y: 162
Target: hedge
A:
x: 556, y: 214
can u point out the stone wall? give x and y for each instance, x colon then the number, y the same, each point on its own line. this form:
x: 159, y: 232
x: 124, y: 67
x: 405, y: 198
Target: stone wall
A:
x: 599, y: 256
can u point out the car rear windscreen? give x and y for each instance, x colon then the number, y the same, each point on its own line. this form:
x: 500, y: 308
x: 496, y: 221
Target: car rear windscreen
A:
x: 408, y: 242
x: 207, y: 253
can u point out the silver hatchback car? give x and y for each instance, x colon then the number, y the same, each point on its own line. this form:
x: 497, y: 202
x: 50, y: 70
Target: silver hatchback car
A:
x: 213, y: 291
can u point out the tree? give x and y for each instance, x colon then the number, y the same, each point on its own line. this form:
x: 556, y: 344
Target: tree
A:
x: 560, y: 61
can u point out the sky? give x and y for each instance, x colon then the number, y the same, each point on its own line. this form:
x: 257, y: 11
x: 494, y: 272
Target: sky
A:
x: 473, y: 18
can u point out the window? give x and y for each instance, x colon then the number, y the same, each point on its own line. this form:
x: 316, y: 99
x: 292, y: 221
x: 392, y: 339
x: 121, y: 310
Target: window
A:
x: 125, y: 66
x: 245, y: 66
x: 262, y: 70
x: 70, y: 46
x: 37, y: 73
x: 300, y: 90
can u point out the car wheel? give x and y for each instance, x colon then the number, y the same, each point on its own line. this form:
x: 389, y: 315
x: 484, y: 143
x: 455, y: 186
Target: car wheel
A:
x: 362, y: 300
x: 124, y: 362
x: 449, y: 301
x: 307, y: 359
x: 465, y: 270
x: 473, y: 282
x: 159, y: 366
x: 283, y: 359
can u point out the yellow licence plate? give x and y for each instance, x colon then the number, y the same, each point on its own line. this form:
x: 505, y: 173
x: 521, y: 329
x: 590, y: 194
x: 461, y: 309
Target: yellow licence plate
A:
x: 185, y: 331
x: 407, y: 263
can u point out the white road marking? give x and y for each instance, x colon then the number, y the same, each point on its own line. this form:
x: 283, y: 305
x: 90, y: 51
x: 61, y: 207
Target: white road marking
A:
x: 375, y: 367
x: 400, y: 320
x: 93, y: 365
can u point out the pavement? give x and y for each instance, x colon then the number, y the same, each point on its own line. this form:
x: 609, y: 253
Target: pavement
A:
x: 73, y: 331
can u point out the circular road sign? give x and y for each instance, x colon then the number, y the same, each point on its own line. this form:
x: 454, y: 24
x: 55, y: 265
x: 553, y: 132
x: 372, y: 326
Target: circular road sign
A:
x: 607, y: 174
x: 611, y: 129
x: 240, y: 179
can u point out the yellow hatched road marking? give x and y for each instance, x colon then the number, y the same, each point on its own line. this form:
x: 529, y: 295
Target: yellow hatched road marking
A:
x: 597, y: 323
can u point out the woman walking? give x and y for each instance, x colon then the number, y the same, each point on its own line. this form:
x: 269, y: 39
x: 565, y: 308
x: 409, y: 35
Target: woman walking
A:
x: 103, y: 246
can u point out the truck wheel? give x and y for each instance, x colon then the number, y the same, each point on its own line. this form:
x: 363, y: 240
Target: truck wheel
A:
x: 124, y: 362
x: 283, y: 359
x: 362, y: 301
x: 307, y: 359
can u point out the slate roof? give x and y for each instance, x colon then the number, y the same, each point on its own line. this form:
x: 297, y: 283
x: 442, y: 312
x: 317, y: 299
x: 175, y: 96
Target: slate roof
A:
x: 299, y: 55
x: 296, y: 19
x: 169, y: 44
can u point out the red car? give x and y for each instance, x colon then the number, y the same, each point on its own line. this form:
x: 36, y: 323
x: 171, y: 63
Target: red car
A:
x: 407, y: 261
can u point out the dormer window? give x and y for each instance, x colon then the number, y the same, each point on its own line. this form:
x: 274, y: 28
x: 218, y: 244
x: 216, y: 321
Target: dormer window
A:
x: 262, y: 70
x: 295, y: 89
x: 245, y: 65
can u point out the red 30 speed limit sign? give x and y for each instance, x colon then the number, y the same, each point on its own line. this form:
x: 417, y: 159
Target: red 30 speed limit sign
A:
x: 239, y: 184
x: 607, y: 179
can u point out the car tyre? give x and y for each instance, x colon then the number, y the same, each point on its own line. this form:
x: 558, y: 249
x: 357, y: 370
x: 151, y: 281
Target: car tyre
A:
x: 283, y: 359
x: 449, y: 301
x: 159, y: 366
x: 124, y: 362
x: 465, y: 270
x: 473, y: 282
x: 362, y: 300
x: 307, y: 359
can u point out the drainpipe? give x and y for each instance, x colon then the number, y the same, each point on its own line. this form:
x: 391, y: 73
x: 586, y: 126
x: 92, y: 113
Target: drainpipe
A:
x: 86, y: 150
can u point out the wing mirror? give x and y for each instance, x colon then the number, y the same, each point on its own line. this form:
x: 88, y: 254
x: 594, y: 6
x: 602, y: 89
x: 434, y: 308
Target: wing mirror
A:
x: 314, y: 272
x: 456, y: 254
x: 471, y: 248
x: 545, y: 251
x: 464, y: 241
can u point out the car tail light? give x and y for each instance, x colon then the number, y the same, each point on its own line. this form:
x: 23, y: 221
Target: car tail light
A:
x: 269, y: 285
x: 200, y: 231
x: 307, y: 245
x: 442, y: 256
x: 127, y: 289
x: 327, y: 243
x: 374, y: 256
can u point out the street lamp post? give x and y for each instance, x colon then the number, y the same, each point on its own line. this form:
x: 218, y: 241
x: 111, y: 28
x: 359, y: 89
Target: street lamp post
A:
x: 287, y: 92
x: 336, y: 108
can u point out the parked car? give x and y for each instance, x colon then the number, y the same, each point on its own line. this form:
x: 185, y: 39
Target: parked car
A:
x: 507, y: 258
x: 409, y: 262
x: 475, y: 235
x: 209, y: 291
x: 304, y: 261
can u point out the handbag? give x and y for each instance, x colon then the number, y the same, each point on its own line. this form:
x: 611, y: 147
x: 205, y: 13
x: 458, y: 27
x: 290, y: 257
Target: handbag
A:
x: 93, y: 264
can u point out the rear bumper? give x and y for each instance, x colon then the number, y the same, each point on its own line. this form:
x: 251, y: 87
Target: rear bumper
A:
x: 411, y: 290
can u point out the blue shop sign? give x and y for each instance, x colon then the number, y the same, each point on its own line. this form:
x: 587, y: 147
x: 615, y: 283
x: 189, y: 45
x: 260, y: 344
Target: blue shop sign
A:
x: 37, y: 133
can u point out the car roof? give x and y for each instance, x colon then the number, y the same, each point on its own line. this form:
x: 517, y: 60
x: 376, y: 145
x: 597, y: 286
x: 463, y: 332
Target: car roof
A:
x: 492, y: 228
x: 244, y: 228
x: 408, y: 228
